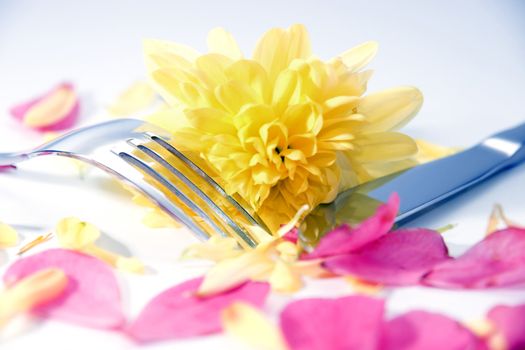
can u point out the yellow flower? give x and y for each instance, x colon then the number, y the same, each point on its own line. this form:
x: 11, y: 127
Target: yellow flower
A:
x: 283, y: 128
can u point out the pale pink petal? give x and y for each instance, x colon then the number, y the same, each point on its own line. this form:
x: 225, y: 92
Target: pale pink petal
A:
x: 423, y: 330
x: 92, y: 296
x: 7, y: 167
x: 510, y: 322
x: 179, y: 313
x: 344, y: 239
x: 399, y: 258
x: 498, y: 260
x: 346, y: 323
x: 58, y: 109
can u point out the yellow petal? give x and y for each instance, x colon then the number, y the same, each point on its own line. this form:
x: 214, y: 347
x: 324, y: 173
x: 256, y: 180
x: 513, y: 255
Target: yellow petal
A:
x: 210, y: 120
x: 156, y: 218
x: 384, y: 146
x: 364, y: 287
x: 217, y: 248
x: 168, y: 51
x: 359, y: 56
x: 130, y: 264
x: 279, y: 47
x: 33, y: 290
x: 51, y: 109
x: 135, y: 98
x: 244, y: 322
x: 390, y: 109
x: 73, y: 233
x: 429, y: 151
x: 222, y: 42
x: 232, y: 272
x: 8, y: 236
x: 284, y: 278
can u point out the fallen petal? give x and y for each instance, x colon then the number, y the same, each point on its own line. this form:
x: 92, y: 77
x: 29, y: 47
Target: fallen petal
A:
x: 92, y: 296
x: 248, y: 324
x: 137, y: 97
x: 510, y: 322
x: 401, y: 257
x: 498, y: 260
x: 346, y: 323
x: 344, y: 239
x: 423, y: 330
x: 8, y: 236
x: 7, y: 167
x: 58, y: 109
x: 179, y: 313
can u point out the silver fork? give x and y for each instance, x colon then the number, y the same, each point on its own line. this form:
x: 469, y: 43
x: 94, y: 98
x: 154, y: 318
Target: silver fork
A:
x: 136, y: 152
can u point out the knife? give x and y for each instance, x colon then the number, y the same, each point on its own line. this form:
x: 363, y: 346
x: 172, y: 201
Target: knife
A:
x: 423, y: 187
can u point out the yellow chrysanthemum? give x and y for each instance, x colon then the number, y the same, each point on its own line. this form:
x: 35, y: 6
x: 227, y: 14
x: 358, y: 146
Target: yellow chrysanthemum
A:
x: 283, y: 128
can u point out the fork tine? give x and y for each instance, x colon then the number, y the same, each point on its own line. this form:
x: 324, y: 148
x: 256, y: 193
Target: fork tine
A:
x: 168, y: 147
x: 203, y: 196
x: 127, y: 172
x: 137, y: 163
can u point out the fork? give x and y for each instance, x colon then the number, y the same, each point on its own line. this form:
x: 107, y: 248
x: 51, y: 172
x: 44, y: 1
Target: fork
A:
x: 142, y: 155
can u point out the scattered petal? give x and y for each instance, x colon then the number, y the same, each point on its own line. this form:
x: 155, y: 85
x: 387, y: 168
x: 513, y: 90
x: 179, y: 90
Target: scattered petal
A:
x: 92, y: 296
x: 401, y: 257
x: 423, y: 330
x: 344, y: 239
x: 284, y: 278
x: 232, y: 272
x: 73, y: 233
x: 338, y: 324
x: 137, y: 97
x: 35, y: 242
x: 180, y: 313
x: 217, y: 248
x: 34, y: 290
x: 8, y: 236
x: 7, y: 167
x: 498, y: 260
x: 58, y: 109
x: 248, y: 324
x: 509, y: 321
x: 132, y: 265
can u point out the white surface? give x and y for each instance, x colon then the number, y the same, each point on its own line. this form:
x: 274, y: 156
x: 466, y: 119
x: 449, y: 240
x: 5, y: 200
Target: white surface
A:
x: 466, y: 56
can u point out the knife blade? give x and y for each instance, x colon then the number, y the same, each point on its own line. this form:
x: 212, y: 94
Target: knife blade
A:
x: 423, y: 187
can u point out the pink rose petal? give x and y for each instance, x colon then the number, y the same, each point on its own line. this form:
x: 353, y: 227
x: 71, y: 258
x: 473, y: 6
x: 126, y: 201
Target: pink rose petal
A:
x: 423, y: 330
x: 344, y: 239
x: 401, y: 257
x: 337, y: 324
x: 498, y: 260
x: 56, y: 110
x: 7, y: 167
x: 179, y: 313
x: 510, y: 321
x: 92, y: 297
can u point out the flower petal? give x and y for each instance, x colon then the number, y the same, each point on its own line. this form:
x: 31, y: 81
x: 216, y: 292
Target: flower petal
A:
x: 398, y: 258
x: 75, y: 234
x: 92, y: 297
x: 344, y: 239
x: 8, y: 236
x: 359, y: 56
x: 384, y: 147
x: 337, y: 324
x: 246, y: 323
x: 423, y: 330
x: 58, y: 109
x: 498, y: 260
x: 179, y: 313
x: 510, y: 322
x: 390, y: 109
x: 222, y: 42
x: 134, y: 99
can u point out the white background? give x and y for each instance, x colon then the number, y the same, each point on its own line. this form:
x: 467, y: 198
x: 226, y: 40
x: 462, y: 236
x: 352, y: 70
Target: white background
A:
x: 466, y: 56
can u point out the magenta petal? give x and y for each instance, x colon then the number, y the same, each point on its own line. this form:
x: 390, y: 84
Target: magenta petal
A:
x: 7, y: 167
x: 65, y: 120
x: 347, y: 323
x: 179, y: 313
x: 510, y: 321
x: 92, y: 297
x: 344, y: 239
x: 399, y: 258
x: 423, y: 330
x: 498, y: 260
